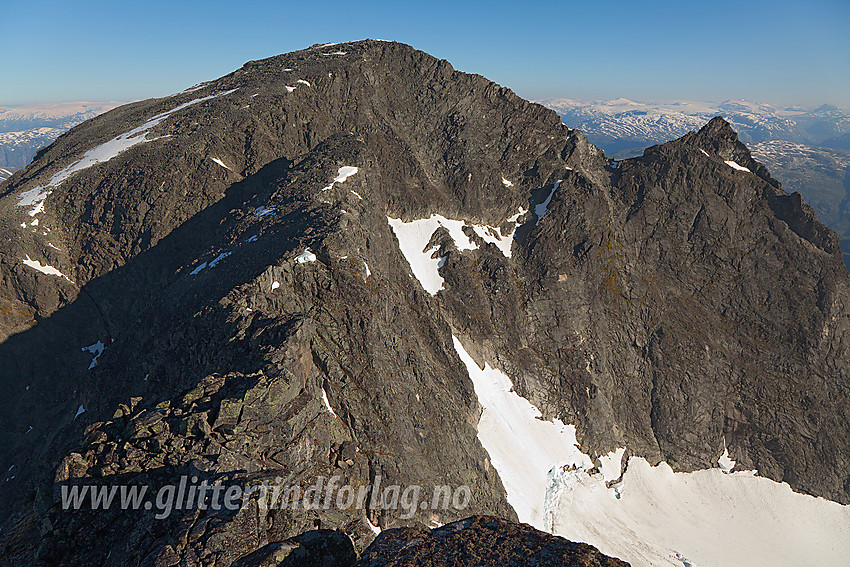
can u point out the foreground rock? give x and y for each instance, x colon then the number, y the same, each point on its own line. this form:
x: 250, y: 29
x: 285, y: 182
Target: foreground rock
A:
x: 480, y: 541
x: 327, y: 548
x: 477, y: 541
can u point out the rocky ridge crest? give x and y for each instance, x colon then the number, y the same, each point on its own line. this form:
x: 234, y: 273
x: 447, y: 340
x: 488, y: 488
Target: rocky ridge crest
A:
x: 674, y: 304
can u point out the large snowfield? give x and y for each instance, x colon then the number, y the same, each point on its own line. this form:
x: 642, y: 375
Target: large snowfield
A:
x: 653, y: 516
x: 649, y: 516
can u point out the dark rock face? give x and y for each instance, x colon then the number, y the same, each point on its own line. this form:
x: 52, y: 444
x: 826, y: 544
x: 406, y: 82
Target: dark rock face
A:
x: 327, y: 548
x: 479, y: 541
x: 672, y: 305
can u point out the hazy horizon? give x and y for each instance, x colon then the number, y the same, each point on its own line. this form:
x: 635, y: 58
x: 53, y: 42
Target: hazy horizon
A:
x: 658, y: 101
x: 784, y: 53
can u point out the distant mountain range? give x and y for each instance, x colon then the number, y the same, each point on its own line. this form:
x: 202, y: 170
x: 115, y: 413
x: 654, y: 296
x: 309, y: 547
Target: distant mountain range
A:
x: 623, y: 127
x: 26, y: 129
x: 806, y: 149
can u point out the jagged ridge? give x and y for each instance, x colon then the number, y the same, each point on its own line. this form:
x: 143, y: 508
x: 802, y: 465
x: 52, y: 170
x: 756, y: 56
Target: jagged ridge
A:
x: 673, y: 304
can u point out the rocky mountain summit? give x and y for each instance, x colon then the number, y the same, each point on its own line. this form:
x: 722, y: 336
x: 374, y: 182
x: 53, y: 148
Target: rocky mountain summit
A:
x: 805, y: 149
x: 276, y: 277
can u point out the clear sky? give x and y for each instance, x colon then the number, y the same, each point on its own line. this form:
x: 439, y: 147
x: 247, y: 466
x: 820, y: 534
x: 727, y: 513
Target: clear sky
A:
x: 776, y: 51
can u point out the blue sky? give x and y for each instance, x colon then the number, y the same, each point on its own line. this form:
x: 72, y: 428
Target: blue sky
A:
x: 781, y: 52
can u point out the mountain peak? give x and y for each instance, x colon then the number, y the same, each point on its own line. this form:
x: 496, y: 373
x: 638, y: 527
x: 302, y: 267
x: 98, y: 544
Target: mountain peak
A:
x: 343, y: 262
x: 718, y: 127
x: 719, y: 138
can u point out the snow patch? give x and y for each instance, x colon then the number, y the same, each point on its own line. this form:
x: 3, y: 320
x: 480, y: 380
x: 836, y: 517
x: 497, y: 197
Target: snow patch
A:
x: 506, y: 183
x: 34, y: 198
x: 275, y: 285
x: 611, y: 464
x: 194, y: 88
x: 414, y: 236
x: 522, y: 446
x: 44, y: 268
x: 252, y: 239
x: 212, y: 263
x: 734, y: 165
x: 96, y: 349
x: 305, y: 257
x: 289, y: 89
x: 221, y: 163
x: 303, y: 82
x: 263, y: 211
x: 725, y: 462
x: 708, y: 517
x: 198, y: 269
x: 219, y: 258
x: 368, y: 271
x: 342, y: 174
x: 704, y: 152
x: 515, y: 218
x: 540, y: 210
x: 327, y: 403
x: 494, y: 236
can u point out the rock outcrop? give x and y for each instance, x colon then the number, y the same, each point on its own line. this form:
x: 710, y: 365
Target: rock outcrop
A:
x: 480, y: 540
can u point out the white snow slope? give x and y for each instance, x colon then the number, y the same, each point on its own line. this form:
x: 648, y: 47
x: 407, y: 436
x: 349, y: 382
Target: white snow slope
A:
x: 414, y: 236
x: 104, y: 152
x: 652, y: 517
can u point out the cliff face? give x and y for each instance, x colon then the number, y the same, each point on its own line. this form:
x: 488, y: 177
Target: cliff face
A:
x: 212, y: 284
